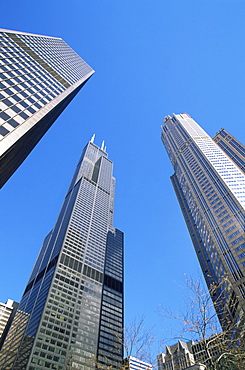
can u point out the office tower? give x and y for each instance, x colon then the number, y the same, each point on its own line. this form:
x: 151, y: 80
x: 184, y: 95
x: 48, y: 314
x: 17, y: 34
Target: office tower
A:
x: 210, y: 190
x: 133, y: 363
x: 232, y: 147
x: 39, y: 76
x: 71, y: 312
x: 7, y: 312
x: 177, y: 357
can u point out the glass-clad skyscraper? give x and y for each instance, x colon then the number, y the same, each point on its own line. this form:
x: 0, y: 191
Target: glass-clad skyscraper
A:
x: 39, y: 76
x: 210, y: 188
x: 71, y: 313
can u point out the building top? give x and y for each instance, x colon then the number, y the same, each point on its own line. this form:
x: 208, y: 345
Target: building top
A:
x: 9, y: 303
x: 103, y: 147
x: 181, y: 345
x: 27, y: 33
x: 135, y: 363
x: 182, y: 115
x: 191, y: 132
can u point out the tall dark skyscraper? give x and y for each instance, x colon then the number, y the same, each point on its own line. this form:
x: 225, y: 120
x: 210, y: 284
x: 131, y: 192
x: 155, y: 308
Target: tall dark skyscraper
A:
x: 71, y: 313
x: 39, y: 76
x: 210, y: 187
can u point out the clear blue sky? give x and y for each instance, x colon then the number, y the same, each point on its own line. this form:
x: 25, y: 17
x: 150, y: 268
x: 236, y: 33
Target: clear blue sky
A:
x: 152, y: 58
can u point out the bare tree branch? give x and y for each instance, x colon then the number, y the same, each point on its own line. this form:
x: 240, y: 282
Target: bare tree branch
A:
x: 220, y: 350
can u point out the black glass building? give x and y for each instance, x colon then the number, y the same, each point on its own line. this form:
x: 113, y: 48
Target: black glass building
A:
x: 71, y: 313
x: 39, y: 76
x: 210, y: 187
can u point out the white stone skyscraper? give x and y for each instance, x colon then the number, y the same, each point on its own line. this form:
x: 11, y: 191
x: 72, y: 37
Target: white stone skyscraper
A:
x: 39, y: 76
x: 71, y: 313
x: 210, y: 188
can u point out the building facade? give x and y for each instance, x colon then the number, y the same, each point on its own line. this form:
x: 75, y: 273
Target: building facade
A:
x: 39, y: 76
x: 210, y: 189
x: 133, y: 363
x: 71, y: 313
x: 208, y: 351
x: 7, y: 312
x: 232, y: 147
x: 191, y: 355
x: 177, y: 357
x: 196, y: 367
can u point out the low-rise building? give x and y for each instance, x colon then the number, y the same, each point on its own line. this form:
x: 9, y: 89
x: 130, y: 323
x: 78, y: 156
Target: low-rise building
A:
x: 191, y: 355
x: 177, y: 357
x: 7, y: 312
x: 133, y: 363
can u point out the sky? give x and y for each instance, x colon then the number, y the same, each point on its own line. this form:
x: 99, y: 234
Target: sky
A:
x: 151, y: 58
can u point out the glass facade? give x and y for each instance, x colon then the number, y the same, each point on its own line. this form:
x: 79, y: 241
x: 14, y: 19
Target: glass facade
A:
x: 71, y: 311
x: 210, y: 189
x: 39, y: 76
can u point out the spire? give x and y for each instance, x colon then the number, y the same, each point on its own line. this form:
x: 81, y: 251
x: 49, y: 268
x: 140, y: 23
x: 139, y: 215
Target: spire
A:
x: 92, y: 138
x: 168, y: 350
x: 103, y: 145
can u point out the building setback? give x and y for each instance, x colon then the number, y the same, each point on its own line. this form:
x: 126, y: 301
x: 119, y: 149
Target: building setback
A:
x: 232, y: 147
x: 210, y: 189
x: 39, y: 76
x: 71, y: 312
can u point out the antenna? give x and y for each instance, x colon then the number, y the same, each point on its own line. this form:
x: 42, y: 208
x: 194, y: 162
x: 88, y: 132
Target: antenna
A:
x: 102, y: 145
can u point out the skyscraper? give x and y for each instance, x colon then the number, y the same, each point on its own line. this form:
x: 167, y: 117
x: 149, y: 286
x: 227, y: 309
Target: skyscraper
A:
x: 39, y: 76
x: 71, y: 313
x: 210, y: 189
